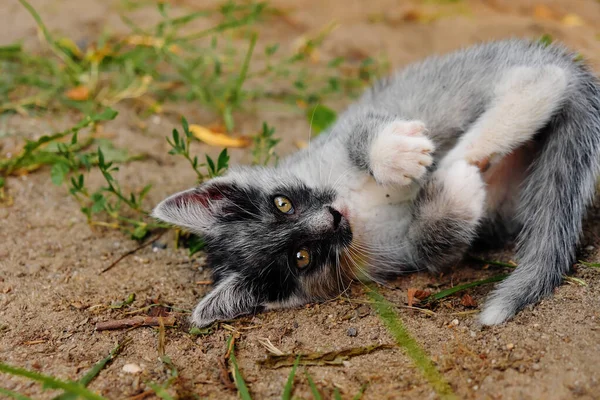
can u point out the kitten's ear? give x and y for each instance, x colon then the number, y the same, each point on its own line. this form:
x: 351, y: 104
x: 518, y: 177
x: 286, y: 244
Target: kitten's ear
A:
x: 195, y: 209
x: 229, y: 299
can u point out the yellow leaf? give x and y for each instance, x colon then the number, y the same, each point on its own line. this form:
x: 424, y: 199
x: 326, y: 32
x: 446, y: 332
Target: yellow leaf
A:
x: 97, y: 55
x: 78, y: 93
x: 70, y: 45
x: 301, y: 144
x: 144, y: 40
x: 219, y: 139
x: 572, y: 20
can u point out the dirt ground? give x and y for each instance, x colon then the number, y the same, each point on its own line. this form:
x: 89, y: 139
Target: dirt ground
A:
x: 52, y: 295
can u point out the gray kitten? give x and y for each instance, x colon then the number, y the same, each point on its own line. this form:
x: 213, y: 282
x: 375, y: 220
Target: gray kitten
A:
x: 495, y: 142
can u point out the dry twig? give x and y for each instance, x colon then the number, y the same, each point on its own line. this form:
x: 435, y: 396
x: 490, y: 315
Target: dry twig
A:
x: 134, y: 322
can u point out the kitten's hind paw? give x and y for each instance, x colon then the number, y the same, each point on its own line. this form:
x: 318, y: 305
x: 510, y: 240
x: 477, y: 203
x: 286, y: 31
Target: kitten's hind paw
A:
x: 496, y: 311
x: 401, y: 153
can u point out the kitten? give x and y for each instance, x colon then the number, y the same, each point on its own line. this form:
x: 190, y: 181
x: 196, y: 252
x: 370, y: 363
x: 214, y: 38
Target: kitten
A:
x: 496, y: 142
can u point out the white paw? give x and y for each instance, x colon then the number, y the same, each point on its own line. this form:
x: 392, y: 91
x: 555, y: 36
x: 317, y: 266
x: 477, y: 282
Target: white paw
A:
x: 496, y: 312
x: 464, y: 187
x: 401, y: 153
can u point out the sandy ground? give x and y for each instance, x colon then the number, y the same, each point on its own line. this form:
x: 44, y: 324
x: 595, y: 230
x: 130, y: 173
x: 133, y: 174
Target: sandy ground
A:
x: 51, y: 292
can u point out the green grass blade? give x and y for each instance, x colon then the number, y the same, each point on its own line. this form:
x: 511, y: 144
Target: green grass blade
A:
x: 94, y: 371
x: 458, y: 288
x: 160, y: 391
x: 59, y: 53
x: 360, y: 392
x: 589, y: 264
x: 238, y: 379
x: 289, y: 386
x: 336, y: 394
x: 313, y: 388
x: 388, y: 315
x: 235, y: 92
x: 51, y: 382
x: 491, y: 262
x: 13, y: 395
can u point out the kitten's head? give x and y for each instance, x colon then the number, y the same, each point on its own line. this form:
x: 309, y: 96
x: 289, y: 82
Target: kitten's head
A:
x: 271, y: 240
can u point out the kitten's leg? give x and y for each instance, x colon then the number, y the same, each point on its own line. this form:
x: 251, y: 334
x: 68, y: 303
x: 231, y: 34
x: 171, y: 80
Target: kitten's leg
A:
x: 401, y: 153
x: 394, y: 151
x: 524, y: 101
x: 446, y: 214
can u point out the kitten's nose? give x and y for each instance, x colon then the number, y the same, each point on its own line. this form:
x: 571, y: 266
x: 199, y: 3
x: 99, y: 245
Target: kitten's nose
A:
x: 337, y: 217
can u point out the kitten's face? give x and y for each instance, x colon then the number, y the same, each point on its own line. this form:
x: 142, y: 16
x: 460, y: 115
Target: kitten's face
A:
x: 270, y: 240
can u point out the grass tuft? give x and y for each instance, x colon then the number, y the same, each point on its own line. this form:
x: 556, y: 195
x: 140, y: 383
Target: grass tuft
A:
x: 74, y: 388
x: 388, y: 315
x: 238, y: 379
x: 289, y: 385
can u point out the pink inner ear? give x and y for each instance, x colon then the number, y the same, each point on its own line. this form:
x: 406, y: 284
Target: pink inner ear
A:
x: 199, y: 195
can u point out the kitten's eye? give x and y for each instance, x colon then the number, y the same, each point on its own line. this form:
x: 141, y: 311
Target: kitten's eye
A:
x: 302, y: 258
x: 284, y: 204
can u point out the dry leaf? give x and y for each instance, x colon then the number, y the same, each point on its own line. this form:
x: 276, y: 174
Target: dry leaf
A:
x: 411, y: 296
x: 414, y: 15
x: 330, y: 358
x: 301, y: 144
x: 542, y: 11
x: 218, y: 139
x: 144, y: 40
x: 418, y: 294
x: 572, y: 20
x: 79, y: 93
x: 468, y: 301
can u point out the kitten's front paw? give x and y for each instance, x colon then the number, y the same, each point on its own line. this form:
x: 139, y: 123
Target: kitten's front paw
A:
x: 401, y: 153
x: 464, y: 187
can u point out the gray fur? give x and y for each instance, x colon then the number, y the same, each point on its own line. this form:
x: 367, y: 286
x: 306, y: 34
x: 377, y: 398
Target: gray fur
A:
x: 432, y: 222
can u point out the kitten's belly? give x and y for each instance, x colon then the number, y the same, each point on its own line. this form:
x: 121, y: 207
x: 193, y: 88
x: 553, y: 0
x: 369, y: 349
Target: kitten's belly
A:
x: 370, y: 207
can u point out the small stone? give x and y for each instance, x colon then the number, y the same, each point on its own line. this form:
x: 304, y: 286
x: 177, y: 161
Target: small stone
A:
x: 132, y: 368
x: 473, y: 334
x: 536, y: 367
x: 158, y: 246
x: 295, y: 325
x: 455, y: 322
x: 352, y: 332
x: 510, y: 346
x: 589, y: 248
x: 141, y: 260
x: 475, y: 387
x: 363, y: 311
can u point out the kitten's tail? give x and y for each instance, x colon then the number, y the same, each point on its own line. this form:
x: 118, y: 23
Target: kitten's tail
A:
x: 553, y: 201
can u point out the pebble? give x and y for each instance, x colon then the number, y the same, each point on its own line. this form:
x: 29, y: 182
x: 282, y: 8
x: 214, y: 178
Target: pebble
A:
x: 141, y: 260
x: 455, y: 322
x: 363, y: 311
x: 536, y: 367
x: 352, y: 332
x: 156, y: 246
x: 510, y: 346
x: 589, y: 248
x: 132, y: 368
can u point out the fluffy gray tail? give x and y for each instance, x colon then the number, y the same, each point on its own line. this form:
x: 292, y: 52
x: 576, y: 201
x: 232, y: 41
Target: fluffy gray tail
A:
x: 554, y: 198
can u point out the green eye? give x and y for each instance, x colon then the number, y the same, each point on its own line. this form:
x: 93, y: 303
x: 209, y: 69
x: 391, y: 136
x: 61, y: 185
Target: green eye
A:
x: 302, y: 258
x: 284, y: 204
